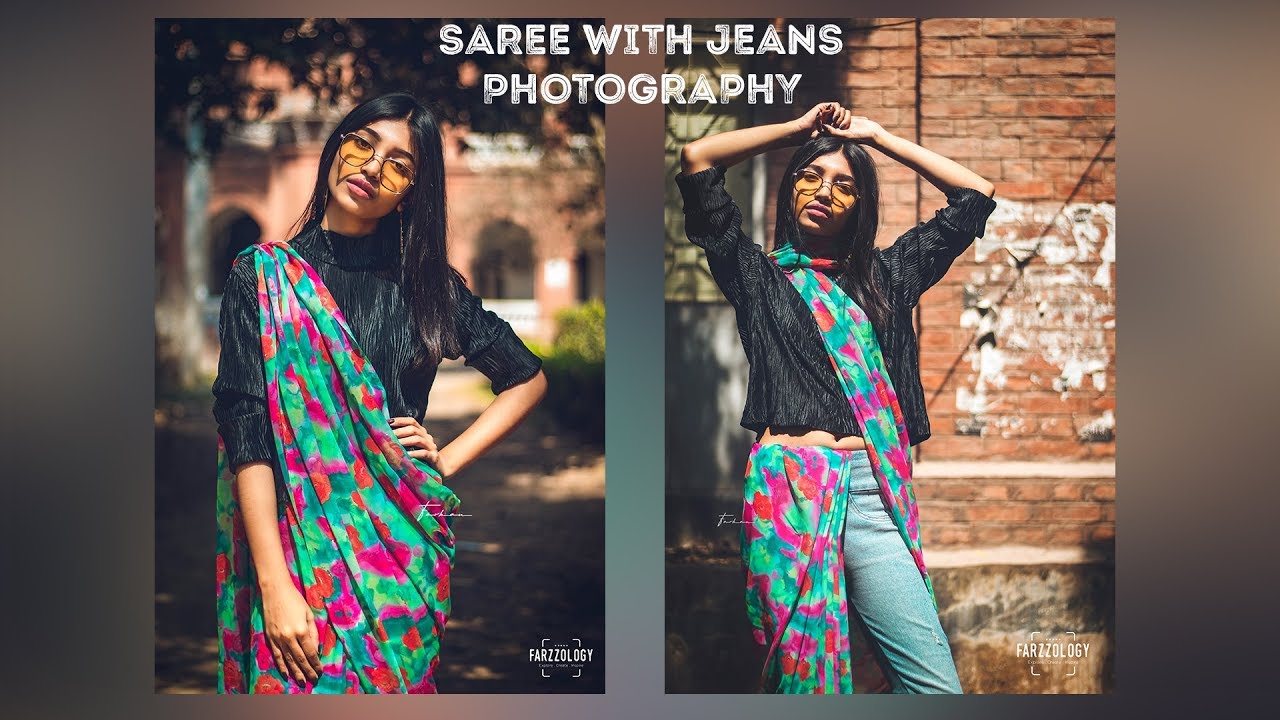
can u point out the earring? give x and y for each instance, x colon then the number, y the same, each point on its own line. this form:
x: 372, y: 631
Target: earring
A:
x: 402, y: 233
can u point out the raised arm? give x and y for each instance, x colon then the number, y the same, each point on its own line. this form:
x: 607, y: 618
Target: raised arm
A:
x: 919, y: 258
x: 733, y: 146
x: 943, y: 173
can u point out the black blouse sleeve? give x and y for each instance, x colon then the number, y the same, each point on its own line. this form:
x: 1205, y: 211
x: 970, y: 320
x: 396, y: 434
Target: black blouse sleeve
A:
x: 490, y: 345
x: 713, y: 222
x: 922, y: 255
x: 239, y: 390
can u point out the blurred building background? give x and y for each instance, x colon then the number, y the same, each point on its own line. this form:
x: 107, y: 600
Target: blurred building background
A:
x: 239, y: 138
x: 1017, y: 343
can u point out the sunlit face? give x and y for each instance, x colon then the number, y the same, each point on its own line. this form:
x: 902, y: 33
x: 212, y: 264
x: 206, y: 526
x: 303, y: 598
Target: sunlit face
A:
x: 361, y: 191
x: 826, y: 210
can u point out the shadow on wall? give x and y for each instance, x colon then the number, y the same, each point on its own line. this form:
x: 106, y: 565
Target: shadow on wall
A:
x: 993, y: 614
x: 706, y: 448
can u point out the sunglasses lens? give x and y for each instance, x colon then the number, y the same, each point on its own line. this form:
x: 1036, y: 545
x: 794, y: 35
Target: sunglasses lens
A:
x: 808, y: 183
x: 355, y: 150
x: 396, y: 176
x: 843, y: 195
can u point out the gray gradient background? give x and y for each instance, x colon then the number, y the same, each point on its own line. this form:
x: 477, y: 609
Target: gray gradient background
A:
x: 1196, y: 358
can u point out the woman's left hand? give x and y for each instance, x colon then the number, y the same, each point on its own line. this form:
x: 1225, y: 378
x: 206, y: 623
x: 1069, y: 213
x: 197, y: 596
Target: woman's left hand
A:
x: 857, y: 127
x: 413, y: 435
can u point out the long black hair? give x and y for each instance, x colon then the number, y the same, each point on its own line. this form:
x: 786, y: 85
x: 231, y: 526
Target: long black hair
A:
x: 427, y: 279
x: 857, y: 242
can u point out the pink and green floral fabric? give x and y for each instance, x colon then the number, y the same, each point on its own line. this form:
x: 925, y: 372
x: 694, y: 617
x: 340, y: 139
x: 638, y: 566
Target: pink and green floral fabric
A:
x: 795, y: 503
x: 366, y: 529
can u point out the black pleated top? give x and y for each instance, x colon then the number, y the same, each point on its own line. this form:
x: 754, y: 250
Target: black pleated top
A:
x: 791, y: 381
x: 362, y: 274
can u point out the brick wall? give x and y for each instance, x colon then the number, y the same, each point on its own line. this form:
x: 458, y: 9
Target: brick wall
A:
x: 1036, y: 504
x: 1017, y: 343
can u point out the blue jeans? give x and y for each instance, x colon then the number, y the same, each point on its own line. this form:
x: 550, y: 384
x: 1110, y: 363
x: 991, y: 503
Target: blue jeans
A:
x: 887, y: 597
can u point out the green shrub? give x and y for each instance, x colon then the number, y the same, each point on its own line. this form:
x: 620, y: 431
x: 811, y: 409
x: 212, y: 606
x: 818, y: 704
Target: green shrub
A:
x: 580, y: 331
x: 575, y: 370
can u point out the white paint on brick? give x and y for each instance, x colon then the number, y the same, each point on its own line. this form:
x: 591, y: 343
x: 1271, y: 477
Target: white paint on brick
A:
x: 1008, y: 425
x: 1070, y: 236
x: 1057, y: 311
x: 1101, y: 425
x: 1074, y: 369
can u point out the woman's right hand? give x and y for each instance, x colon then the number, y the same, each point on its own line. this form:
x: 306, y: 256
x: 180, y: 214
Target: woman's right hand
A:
x: 728, y: 148
x: 809, y: 125
x: 290, y: 627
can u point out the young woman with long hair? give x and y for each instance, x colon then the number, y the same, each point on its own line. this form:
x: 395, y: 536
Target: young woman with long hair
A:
x: 334, y: 521
x: 834, y: 396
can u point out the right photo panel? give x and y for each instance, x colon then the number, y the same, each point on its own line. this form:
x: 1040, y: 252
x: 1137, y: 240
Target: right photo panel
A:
x: 890, y: 355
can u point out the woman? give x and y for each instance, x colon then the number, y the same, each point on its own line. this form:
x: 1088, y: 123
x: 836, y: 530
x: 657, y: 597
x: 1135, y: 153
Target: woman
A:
x: 334, y: 522
x: 829, y: 517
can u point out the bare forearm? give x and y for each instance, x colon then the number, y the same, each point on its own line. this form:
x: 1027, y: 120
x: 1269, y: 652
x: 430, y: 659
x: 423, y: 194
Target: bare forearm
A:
x: 943, y: 173
x: 257, y: 495
x: 733, y: 146
x: 507, y: 410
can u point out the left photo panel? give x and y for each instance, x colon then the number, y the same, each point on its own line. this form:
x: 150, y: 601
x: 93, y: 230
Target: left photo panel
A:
x: 379, y: 313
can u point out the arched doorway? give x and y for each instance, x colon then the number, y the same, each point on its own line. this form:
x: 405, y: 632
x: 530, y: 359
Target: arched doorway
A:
x: 230, y: 231
x: 503, y: 264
